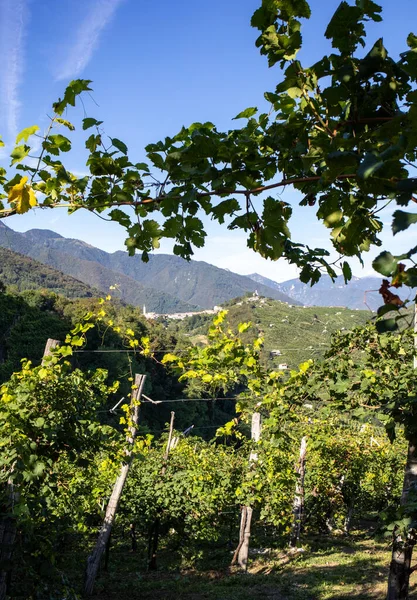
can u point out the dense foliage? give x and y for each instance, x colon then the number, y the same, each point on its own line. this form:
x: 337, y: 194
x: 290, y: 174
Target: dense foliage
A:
x: 60, y: 456
x: 52, y: 443
x: 24, y: 273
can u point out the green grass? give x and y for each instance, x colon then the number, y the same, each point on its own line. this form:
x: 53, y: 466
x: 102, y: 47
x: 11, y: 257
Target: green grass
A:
x: 330, y: 568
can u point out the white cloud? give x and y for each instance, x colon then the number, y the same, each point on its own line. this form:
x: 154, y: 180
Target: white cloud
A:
x: 13, y: 19
x: 87, y: 37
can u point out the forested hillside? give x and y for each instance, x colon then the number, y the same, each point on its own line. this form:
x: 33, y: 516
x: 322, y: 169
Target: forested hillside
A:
x: 164, y: 284
x: 24, y: 273
x: 43, y: 246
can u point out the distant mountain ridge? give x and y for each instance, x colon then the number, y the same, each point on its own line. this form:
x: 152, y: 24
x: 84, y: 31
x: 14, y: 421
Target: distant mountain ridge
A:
x: 359, y: 293
x: 165, y: 284
x: 168, y: 284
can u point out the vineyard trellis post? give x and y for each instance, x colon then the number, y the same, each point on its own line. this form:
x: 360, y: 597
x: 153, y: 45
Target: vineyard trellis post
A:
x: 93, y: 561
x: 8, y: 523
x: 242, y: 552
x: 298, y: 506
x: 154, y: 533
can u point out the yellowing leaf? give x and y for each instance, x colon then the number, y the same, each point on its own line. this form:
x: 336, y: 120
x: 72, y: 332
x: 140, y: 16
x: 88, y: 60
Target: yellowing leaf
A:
x: 26, y: 133
x: 305, y: 365
x: 169, y: 358
x: 65, y: 123
x: 22, y: 196
x: 42, y: 373
x: 242, y: 327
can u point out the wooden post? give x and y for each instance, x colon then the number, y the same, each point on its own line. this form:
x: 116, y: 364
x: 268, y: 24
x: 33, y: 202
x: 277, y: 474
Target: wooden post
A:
x: 93, y: 561
x: 242, y: 551
x: 154, y: 535
x: 132, y: 534
x: 50, y: 345
x: 8, y: 524
x: 298, y: 506
x: 168, y: 447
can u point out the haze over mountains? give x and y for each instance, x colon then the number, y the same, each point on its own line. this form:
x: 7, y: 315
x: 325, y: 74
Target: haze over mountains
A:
x: 168, y: 284
x: 360, y: 292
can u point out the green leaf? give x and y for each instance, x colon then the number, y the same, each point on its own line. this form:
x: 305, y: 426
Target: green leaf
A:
x: 119, y: 145
x: 402, y: 220
x: 38, y: 469
x: 19, y: 153
x: 26, y: 133
x: 407, y: 185
x: 242, y: 327
x: 157, y: 160
x: 271, y: 11
x: 121, y: 217
x: 90, y: 122
x: 350, y: 18
x: 93, y: 142
x: 347, y: 271
x: 61, y: 142
x: 412, y: 41
x: 370, y: 164
x: 385, y: 263
x: 247, y: 113
x: 386, y: 325
x: 227, y: 207
x: 294, y: 92
x: 74, y: 89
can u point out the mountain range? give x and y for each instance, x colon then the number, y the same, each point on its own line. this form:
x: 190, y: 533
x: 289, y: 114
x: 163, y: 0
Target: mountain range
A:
x: 165, y: 284
x: 168, y: 284
x: 359, y: 293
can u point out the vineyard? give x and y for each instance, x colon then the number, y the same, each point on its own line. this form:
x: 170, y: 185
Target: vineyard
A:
x: 301, y: 458
x: 216, y: 459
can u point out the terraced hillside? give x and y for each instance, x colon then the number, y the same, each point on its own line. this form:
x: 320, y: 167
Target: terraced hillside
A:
x: 292, y: 333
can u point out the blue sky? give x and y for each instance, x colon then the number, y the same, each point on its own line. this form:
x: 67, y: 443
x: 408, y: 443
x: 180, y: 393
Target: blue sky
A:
x: 157, y: 66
